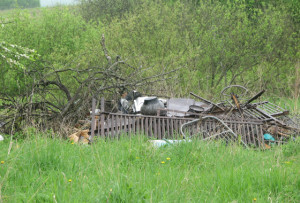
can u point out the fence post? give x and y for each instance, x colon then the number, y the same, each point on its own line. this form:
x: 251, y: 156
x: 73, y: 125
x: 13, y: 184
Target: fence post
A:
x: 102, y: 116
x: 93, y: 120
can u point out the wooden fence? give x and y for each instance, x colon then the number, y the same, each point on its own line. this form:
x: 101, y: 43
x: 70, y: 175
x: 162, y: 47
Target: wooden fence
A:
x: 115, y: 124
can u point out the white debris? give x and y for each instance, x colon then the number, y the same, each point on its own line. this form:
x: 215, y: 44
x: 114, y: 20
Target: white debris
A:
x: 97, y: 111
x: 159, y: 143
x: 1, y: 138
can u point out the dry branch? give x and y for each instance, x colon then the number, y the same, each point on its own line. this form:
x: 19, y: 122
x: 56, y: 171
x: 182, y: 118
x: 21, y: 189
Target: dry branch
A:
x: 51, y: 102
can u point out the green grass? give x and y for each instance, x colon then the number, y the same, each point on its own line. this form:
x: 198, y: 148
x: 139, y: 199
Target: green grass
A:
x: 290, y: 104
x: 131, y: 170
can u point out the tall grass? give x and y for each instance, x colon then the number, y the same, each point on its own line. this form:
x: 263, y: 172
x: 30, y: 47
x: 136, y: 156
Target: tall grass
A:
x: 132, y: 170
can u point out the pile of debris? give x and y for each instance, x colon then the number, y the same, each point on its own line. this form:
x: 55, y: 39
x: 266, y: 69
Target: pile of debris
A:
x: 250, y: 125
x: 235, y: 118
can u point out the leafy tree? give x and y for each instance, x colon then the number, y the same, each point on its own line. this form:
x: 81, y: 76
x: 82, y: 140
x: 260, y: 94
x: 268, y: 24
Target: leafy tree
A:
x: 14, y: 60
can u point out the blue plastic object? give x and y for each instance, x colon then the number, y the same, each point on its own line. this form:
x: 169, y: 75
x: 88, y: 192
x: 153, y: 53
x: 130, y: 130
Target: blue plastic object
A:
x: 268, y: 137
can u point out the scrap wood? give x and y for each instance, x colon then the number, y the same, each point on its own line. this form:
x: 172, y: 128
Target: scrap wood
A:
x: 236, y: 102
x: 254, y: 98
x: 81, y: 136
x: 267, y: 146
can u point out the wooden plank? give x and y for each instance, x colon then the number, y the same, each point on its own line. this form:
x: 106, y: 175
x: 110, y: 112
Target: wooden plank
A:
x: 138, y: 122
x: 133, y: 125
x: 168, y: 128
x: 107, y: 125
x: 112, y: 125
x: 163, y: 127
x: 155, y: 127
x: 176, y: 126
x: 159, y: 128
x: 130, y: 118
x: 179, y: 125
x: 102, y: 116
x: 233, y: 128
x: 241, y: 132
x: 214, y: 127
x: 121, y: 124
x: 237, y: 131
x: 129, y: 125
x: 195, y: 129
x: 172, y: 128
x: 117, y: 125
x: 186, y: 119
x: 146, y: 126
x: 258, y: 136
x: 93, y: 119
x: 151, y: 127
x: 98, y: 123
x: 125, y: 124
x: 209, y: 127
x: 248, y: 134
x: 262, y: 137
x: 142, y: 125
x: 204, y: 124
x: 252, y: 134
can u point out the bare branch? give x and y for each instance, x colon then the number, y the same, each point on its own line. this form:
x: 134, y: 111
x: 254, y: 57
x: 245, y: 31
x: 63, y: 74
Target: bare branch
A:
x: 105, y: 50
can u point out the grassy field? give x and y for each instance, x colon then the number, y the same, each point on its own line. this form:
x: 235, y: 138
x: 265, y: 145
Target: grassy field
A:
x: 132, y: 170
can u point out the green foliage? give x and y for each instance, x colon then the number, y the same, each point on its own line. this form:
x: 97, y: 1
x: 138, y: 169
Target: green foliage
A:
x: 94, y: 9
x: 216, y: 43
x: 292, y: 148
x: 131, y: 170
x: 8, y: 4
x: 57, y: 41
x: 14, y: 59
x: 48, y: 31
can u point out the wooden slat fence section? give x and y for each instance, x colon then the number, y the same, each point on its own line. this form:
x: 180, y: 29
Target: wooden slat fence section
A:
x: 113, y: 125
x: 251, y: 133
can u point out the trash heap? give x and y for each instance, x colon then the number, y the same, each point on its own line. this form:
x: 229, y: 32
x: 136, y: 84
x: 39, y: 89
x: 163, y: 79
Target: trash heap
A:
x: 238, y: 118
x: 235, y: 118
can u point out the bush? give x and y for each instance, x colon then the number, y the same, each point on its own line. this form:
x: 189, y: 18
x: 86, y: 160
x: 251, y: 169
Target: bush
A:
x: 8, y: 4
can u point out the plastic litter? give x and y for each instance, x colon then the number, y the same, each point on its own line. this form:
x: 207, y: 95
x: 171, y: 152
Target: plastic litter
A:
x: 160, y: 143
x: 269, y: 137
